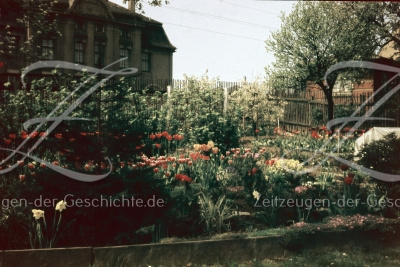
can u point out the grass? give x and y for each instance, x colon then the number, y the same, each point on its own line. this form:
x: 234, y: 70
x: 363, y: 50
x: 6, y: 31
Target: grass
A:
x: 228, y: 235
x: 355, y: 258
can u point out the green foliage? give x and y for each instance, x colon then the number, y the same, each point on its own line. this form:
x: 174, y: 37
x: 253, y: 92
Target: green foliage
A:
x: 196, y: 110
x: 139, y: 4
x: 42, y: 24
x: 307, y: 44
x: 213, y: 215
x: 257, y: 106
x: 382, y: 155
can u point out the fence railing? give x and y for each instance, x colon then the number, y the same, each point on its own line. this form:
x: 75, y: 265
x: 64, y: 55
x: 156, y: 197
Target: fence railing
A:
x: 299, y: 113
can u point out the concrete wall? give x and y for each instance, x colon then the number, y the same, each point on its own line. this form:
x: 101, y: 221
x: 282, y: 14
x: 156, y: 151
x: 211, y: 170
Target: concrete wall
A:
x: 196, y: 252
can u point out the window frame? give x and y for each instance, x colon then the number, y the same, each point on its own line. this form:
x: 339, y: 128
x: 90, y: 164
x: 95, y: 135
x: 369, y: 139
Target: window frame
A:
x: 81, y: 51
x: 101, y: 54
x: 50, y: 49
x: 146, y: 62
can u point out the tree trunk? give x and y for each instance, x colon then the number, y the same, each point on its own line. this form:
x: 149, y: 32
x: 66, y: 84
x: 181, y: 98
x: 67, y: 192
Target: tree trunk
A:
x: 328, y: 92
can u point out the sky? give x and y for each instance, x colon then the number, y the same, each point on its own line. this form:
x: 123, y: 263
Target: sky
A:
x: 223, y: 39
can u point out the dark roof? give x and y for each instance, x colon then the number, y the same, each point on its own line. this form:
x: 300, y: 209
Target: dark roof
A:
x: 155, y: 36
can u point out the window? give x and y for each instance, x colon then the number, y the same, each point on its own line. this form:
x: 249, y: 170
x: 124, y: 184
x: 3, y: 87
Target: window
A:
x: 47, y: 49
x: 124, y: 52
x: 125, y: 33
x: 145, y: 62
x: 99, y: 53
x: 79, y: 52
x: 80, y: 25
x: 99, y: 28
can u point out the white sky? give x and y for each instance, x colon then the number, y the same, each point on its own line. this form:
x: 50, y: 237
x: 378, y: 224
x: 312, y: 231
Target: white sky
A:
x: 202, y: 31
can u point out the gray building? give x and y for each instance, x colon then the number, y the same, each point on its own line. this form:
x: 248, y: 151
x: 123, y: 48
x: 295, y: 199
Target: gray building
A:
x: 97, y: 33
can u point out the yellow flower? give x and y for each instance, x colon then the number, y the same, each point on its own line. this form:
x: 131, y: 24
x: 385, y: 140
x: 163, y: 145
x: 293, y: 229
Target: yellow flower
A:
x: 210, y: 144
x: 256, y: 195
x: 61, y: 206
x: 196, y: 147
x: 37, y: 214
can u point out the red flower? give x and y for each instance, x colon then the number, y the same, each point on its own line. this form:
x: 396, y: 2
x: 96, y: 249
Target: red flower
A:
x: 43, y: 165
x: 190, y: 163
x: 323, y: 128
x: 158, y: 145
x: 348, y: 180
x: 315, y: 135
x: 55, y: 163
x: 183, y: 178
x: 158, y: 135
x: 42, y: 134
x: 203, y: 157
x: 167, y: 174
x: 12, y: 136
x: 344, y: 167
x: 165, y: 134
x: 152, y: 136
x: 34, y: 134
x: 83, y: 133
x: 31, y: 166
x: 58, y: 135
x: 155, y: 170
x: 169, y: 138
x: 256, y: 131
x: 346, y: 129
x: 22, y: 177
x: 194, y: 156
x: 20, y: 162
x: 269, y: 162
x: 171, y: 159
x: 177, y: 137
x: 7, y: 141
x: 24, y: 134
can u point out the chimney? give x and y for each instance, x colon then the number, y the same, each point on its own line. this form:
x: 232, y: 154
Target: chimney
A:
x: 131, y: 5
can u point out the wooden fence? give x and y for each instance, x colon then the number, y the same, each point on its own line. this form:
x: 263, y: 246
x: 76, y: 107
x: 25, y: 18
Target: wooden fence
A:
x: 303, y: 114
x: 300, y: 112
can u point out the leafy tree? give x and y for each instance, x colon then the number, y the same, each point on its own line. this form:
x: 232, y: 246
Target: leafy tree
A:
x: 139, y: 3
x: 34, y: 17
x: 385, y: 17
x: 257, y: 105
x: 317, y: 35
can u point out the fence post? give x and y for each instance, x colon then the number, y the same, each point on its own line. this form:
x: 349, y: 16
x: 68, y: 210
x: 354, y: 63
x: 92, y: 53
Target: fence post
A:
x: 225, y: 99
x: 169, y: 91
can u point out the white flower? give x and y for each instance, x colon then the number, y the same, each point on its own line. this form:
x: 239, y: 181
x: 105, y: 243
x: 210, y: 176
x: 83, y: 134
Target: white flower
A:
x: 61, y: 206
x: 37, y: 214
x: 256, y: 194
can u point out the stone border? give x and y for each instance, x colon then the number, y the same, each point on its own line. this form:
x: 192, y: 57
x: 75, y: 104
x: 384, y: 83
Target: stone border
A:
x: 195, y: 252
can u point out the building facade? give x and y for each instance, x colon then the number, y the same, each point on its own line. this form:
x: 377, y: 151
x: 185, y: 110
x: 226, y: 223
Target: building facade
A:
x: 96, y: 33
